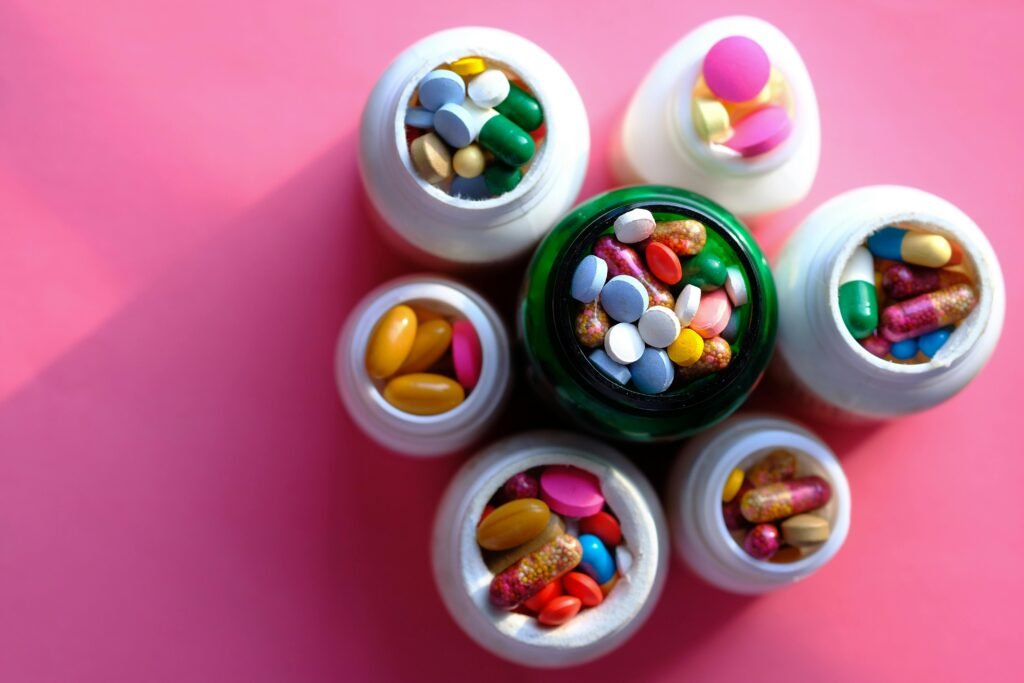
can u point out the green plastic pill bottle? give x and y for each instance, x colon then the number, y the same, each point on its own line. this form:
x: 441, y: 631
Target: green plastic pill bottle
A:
x: 558, y: 367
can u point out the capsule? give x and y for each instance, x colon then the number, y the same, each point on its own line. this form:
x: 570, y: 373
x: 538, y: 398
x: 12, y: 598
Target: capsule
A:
x: 530, y: 574
x: 390, y: 342
x: 716, y: 356
x: 901, y: 281
x: 876, y: 346
x: 785, y: 499
x: 522, y: 108
x: 904, y: 350
x: 506, y: 141
x: 734, y: 520
x: 858, y: 301
x: 592, y: 325
x: 775, y: 467
x: 929, y: 344
x: 433, y: 337
x: 927, y: 312
x: 918, y: 248
x: 623, y: 260
x: 762, y: 541
x: 685, y: 237
x: 500, y: 178
x: 422, y: 393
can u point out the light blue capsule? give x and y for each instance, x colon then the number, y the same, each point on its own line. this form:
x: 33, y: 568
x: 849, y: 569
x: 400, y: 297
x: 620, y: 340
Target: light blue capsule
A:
x: 653, y: 373
x: 929, y: 344
x: 904, y: 350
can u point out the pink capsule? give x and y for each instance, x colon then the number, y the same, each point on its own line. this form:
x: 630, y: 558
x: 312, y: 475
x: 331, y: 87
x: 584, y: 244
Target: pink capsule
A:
x: 777, y: 466
x: 901, y: 280
x: 762, y: 541
x: 927, y: 313
x: 785, y: 499
x: 622, y: 260
x: 530, y: 574
x: 876, y: 346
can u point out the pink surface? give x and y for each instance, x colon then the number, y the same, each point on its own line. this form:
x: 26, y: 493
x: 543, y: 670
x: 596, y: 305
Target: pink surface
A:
x: 182, y: 497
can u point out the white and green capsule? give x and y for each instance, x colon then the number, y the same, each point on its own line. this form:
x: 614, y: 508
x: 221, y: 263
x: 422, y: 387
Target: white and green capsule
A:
x: 858, y: 301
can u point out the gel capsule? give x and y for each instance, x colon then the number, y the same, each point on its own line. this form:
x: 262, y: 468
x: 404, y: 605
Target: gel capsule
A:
x: 901, y: 281
x: 512, y: 524
x: 506, y: 141
x: 623, y: 260
x: 927, y: 313
x: 858, y: 301
x: 424, y: 393
x: 784, y: 499
x: 777, y: 466
x: 762, y: 541
x: 522, y: 108
x: 529, y: 575
x: 716, y: 356
x: 432, y: 339
x: 685, y: 237
x: 390, y: 342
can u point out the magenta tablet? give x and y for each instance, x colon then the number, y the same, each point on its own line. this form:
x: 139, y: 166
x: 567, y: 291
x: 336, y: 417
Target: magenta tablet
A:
x: 736, y: 69
x: 761, y: 132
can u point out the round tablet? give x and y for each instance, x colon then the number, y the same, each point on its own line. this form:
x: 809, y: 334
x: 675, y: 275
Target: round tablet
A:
x: 712, y: 315
x: 653, y: 373
x: 623, y: 344
x: 634, y: 226
x: 617, y: 372
x: 469, y: 161
x: 735, y: 286
x: 455, y: 125
x: 687, y: 304
x: 736, y: 69
x: 470, y: 188
x: 571, y: 491
x: 467, y: 355
x: 761, y: 132
x: 589, y: 278
x: 418, y: 117
x: 624, y: 298
x: 489, y: 89
x: 659, y: 326
x: 441, y: 87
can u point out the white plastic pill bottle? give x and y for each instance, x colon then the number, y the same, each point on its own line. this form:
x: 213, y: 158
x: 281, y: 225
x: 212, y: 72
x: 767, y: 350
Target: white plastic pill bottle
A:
x: 442, y: 230
x: 423, y: 435
x: 832, y: 373
x: 658, y: 142
x: 464, y: 580
x: 694, y: 502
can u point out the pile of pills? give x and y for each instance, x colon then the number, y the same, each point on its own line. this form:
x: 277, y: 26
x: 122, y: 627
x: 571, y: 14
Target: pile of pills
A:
x: 773, y: 513
x: 472, y: 128
x: 903, y: 293
x: 655, y: 320
x: 551, y: 543
x: 414, y: 350
x: 741, y: 104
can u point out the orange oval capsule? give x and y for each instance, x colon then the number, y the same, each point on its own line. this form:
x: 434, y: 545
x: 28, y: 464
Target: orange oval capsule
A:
x: 546, y: 595
x: 579, y: 585
x: 559, y: 610
x: 390, y: 342
x: 513, y: 523
x: 431, y: 341
x: 424, y: 393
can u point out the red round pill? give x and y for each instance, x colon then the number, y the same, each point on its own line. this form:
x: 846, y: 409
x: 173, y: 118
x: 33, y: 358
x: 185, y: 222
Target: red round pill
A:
x: 579, y: 585
x: 604, y: 526
x: 546, y: 595
x: 560, y: 610
x: 664, y: 263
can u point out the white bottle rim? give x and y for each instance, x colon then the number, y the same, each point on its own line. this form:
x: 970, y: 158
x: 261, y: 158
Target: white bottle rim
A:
x: 423, y: 435
x: 694, y: 502
x: 463, y: 579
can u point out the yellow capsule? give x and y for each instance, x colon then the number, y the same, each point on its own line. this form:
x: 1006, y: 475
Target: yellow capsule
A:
x: 711, y: 120
x: 513, y: 524
x: 686, y: 349
x: 423, y: 393
x: 469, y: 66
x: 390, y: 342
x: 425, y: 314
x: 469, y: 161
x: 432, y: 340
x: 924, y: 249
x: 732, y: 485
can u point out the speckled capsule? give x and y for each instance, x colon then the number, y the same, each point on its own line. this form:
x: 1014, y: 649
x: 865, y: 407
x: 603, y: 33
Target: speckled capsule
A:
x: 529, y: 575
x: 623, y: 260
x: 762, y: 541
x: 901, y: 281
x: 927, y: 313
x: 591, y: 325
x: 717, y: 356
x: 785, y: 499
x: 685, y: 237
x: 776, y: 466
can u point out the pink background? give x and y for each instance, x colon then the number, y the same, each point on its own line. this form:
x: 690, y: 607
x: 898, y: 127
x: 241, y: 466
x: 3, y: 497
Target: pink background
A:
x: 182, y: 233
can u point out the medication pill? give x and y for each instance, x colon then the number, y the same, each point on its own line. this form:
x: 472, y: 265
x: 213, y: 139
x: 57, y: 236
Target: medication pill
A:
x: 901, y: 281
x: 684, y: 237
x: 761, y: 132
x: 732, y: 485
x: 689, y: 302
x: 716, y: 356
x: 805, y: 530
x: 624, y: 299
x: 592, y: 325
x: 546, y: 595
x: 488, y: 509
x: 712, y: 314
x: 710, y: 119
x: 580, y: 585
x: 469, y: 161
x: 787, y: 554
x: 784, y: 499
x: 423, y: 393
x: 522, y: 485
x: 604, y: 526
x: 762, y: 541
x: 929, y: 344
x: 424, y: 314
x: 736, y: 68
x: 623, y: 260
x: 505, y: 140
x: 659, y: 326
x: 927, y: 312
x: 735, y: 286
x: 498, y: 561
x: 431, y: 341
x: 441, y: 87
x: 623, y: 559
x: 512, y: 524
x: 571, y: 491
x: 731, y: 515
x: 470, y: 188
x: 779, y: 465
x: 653, y: 372
x: 466, y: 354
x: 876, y: 346
x: 522, y: 108
x: 560, y: 610
x: 572, y: 526
x: 737, y: 111
x: 858, y: 301
x: 489, y: 89
x: 687, y: 349
x: 918, y: 248
x: 705, y: 270
x: 607, y: 587
x: 623, y: 343
x: 663, y: 263
x: 732, y: 329
x: 596, y: 560
x: 633, y: 226
x: 588, y: 279
x: 904, y: 350
x: 456, y: 124
x: 390, y: 342
x: 468, y: 66
x: 418, y: 117
x: 529, y: 575
x: 501, y: 178
x: 603, y: 362
x: 431, y: 158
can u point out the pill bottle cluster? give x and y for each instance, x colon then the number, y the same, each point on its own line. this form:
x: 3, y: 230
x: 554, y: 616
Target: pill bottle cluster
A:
x: 903, y: 293
x: 653, y: 321
x: 473, y: 128
x: 741, y: 103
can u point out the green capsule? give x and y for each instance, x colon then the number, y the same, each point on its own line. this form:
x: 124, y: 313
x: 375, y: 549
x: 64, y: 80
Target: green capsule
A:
x: 522, y: 108
x: 506, y: 141
x: 501, y: 178
x: 858, y: 300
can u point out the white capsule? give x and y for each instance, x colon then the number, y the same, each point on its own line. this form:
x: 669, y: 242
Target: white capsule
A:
x: 623, y: 344
x: 634, y: 226
x: 861, y: 266
x: 687, y: 304
x: 659, y: 326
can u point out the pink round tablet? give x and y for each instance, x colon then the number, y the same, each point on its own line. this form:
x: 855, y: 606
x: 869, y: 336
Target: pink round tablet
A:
x: 761, y: 132
x: 736, y: 69
x: 571, y: 491
x: 713, y: 314
x: 466, y: 354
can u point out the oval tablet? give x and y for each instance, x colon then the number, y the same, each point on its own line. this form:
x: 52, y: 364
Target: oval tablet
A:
x: 441, y: 87
x: 635, y: 225
x: 466, y: 353
x: 597, y: 561
x: 736, y: 69
x: 431, y: 158
x: 653, y: 373
x: 589, y: 278
x: 604, y: 526
x: 623, y: 343
x: 659, y: 326
x: 546, y: 595
x: 663, y: 263
x: 579, y: 585
x: 687, y: 304
x: 735, y: 286
x: 559, y: 610
x: 624, y: 298
x: 761, y: 132
x: 571, y: 491
x: 805, y: 530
